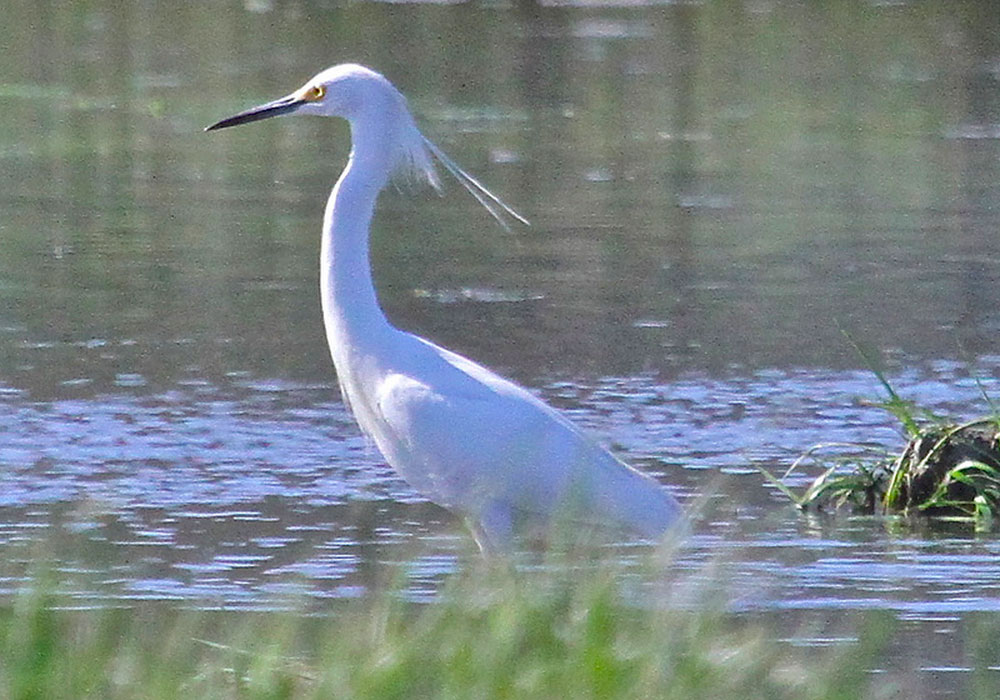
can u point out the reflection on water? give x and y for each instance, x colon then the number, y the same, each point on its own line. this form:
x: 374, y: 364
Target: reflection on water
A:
x: 715, y: 190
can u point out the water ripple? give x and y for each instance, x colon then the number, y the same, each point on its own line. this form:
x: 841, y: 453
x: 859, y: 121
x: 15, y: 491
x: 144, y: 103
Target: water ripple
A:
x: 234, y: 496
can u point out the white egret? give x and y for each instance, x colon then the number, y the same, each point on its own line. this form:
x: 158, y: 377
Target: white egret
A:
x: 463, y: 436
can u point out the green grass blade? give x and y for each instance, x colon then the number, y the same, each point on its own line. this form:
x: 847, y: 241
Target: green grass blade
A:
x: 895, y: 404
x: 776, y: 482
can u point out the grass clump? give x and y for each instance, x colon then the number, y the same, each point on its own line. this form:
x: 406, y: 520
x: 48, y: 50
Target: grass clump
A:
x: 946, y: 470
x: 493, y: 634
x: 948, y: 467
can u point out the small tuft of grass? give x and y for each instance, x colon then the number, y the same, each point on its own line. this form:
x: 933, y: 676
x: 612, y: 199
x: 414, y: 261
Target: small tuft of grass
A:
x: 946, y: 470
x: 846, y: 482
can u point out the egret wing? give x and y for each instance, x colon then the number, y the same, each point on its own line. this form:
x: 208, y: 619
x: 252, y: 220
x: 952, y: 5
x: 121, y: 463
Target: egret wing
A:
x: 473, y: 439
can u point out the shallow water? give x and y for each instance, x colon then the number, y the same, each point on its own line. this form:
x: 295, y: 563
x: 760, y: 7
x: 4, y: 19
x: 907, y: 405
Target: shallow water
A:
x: 716, y: 190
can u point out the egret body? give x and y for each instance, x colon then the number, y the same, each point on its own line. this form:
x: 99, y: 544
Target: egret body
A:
x: 460, y: 434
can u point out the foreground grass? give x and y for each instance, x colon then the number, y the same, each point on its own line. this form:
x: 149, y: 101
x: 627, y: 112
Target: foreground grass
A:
x: 493, y: 634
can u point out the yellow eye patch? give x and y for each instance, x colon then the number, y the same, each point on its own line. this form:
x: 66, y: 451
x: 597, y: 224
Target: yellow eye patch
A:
x: 312, y: 93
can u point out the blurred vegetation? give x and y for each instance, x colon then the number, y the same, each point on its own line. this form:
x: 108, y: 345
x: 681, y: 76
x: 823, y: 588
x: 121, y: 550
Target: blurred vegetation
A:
x: 493, y: 633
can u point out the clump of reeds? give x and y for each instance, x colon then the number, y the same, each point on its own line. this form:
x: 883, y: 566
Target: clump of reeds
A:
x: 949, y: 469
x: 946, y: 470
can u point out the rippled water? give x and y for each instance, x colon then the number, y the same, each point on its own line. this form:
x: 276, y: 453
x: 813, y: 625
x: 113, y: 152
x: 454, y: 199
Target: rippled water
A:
x: 233, y: 495
x: 716, y: 190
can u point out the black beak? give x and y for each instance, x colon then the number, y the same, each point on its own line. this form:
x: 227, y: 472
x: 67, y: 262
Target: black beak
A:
x: 285, y: 105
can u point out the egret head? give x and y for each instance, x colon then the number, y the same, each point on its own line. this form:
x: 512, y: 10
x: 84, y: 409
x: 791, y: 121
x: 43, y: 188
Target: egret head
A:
x: 376, y: 110
x: 347, y: 91
x: 382, y: 128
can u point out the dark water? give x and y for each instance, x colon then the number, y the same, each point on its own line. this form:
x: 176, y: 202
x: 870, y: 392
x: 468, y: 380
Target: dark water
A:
x: 716, y: 190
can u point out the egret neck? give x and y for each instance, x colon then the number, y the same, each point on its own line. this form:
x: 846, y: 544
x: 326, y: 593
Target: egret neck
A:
x: 351, y: 312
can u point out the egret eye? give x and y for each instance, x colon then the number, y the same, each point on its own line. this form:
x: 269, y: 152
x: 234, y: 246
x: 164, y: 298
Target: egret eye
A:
x: 314, y: 93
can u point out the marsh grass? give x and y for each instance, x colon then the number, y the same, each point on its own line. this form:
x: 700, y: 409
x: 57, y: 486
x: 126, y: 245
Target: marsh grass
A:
x: 574, y: 631
x: 946, y: 470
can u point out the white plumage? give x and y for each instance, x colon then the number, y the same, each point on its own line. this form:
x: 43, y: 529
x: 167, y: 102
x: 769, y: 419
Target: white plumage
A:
x: 460, y: 434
